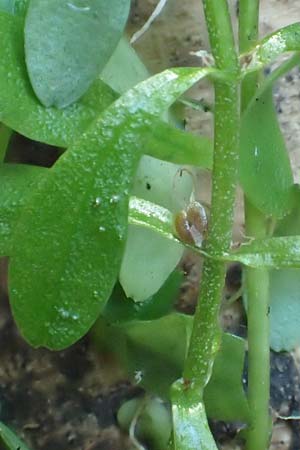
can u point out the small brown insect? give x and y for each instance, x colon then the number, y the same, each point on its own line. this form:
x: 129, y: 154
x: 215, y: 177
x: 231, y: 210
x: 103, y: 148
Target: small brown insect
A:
x: 191, y: 224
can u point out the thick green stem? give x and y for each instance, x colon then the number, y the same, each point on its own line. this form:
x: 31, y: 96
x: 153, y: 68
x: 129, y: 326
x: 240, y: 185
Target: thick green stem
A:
x: 257, y: 288
x: 248, y: 34
x: 257, y: 280
x: 205, y: 335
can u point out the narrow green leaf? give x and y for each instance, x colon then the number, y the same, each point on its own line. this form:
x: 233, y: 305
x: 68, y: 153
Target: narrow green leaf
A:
x: 224, y: 396
x: 10, y: 439
x: 149, y: 215
x: 67, y: 44
x: 265, y: 170
x: 277, y: 73
x: 69, y: 242
x: 177, y: 146
x: 284, y: 40
x: 190, y: 427
x: 20, y: 109
x: 273, y: 253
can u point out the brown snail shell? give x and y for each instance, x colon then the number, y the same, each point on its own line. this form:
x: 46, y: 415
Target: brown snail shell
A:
x: 191, y: 224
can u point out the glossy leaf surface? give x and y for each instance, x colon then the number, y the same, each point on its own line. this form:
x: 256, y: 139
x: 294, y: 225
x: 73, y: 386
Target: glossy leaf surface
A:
x: 265, y: 171
x: 272, y: 253
x: 285, y: 39
x: 76, y: 220
x: 10, y: 439
x: 67, y: 44
x: 16, y: 182
x: 224, y: 396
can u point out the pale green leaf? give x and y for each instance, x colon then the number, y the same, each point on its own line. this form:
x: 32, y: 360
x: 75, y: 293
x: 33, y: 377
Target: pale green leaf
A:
x: 149, y: 258
x: 67, y: 44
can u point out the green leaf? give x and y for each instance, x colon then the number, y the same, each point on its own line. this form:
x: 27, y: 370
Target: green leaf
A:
x: 284, y: 309
x: 10, y: 440
x: 149, y: 258
x: 7, y: 5
x: 21, y: 7
x: 265, y: 170
x: 67, y: 44
x: 177, y: 146
x: 133, y: 70
x: 20, y: 109
x: 152, y: 351
x: 272, y: 253
x: 119, y: 308
x: 191, y: 430
x: 153, y: 423
x: 268, y: 82
x: 69, y: 242
x: 224, y: 396
x: 16, y: 183
x: 284, y: 291
x: 285, y: 39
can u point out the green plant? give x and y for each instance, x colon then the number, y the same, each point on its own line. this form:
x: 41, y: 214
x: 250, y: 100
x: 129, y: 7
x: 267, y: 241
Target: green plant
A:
x: 65, y: 228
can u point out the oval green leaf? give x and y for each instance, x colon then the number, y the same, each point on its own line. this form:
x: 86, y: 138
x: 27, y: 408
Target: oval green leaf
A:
x: 149, y: 258
x: 69, y: 242
x: 284, y: 309
x: 284, y: 291
x: 21, y: 110
x: 67, y: 44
